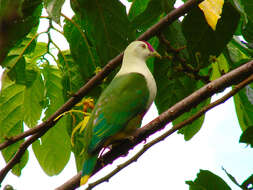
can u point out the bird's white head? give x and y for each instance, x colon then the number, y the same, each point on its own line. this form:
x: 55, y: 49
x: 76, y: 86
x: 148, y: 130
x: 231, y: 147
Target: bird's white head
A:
x: 141, y: 49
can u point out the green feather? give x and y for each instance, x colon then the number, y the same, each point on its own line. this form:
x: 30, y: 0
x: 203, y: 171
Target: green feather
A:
x: 125, y: 98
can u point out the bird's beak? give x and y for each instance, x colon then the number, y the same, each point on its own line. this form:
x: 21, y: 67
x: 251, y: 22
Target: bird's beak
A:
x: 156, y: 54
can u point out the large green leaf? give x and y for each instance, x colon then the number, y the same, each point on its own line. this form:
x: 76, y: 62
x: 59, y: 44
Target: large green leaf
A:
x: 173, y: 84
x: 34, y: 96
x: 151, y: 14
x: 18, y: 103
x: 137, y: 7
x: 11, y: 118
x: 53, y: 8
x: 206, y: 180
x: 72, y: 78
x: 53, y: 149
x: 82, y: 51
x: 24, y: 47
x: 244, y: 107
x: 39, y: 50
x: 165, y: 72
x: 10, y: 151
x: 16, y: 16
x: 202, y: 41
x: 110, y: 38
x: 195, y: 126
x: 11, y: 104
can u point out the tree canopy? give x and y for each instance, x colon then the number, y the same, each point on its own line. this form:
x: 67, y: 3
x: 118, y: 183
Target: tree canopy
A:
x: 46, y: 90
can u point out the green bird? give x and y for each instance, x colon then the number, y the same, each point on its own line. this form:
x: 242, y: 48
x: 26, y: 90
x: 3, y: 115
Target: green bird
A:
x: 122, y: 105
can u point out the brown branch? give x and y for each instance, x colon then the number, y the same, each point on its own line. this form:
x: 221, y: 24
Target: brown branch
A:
x: 234, y: 77
x: 168, y: 19
x: 50, y: 122
x: 113, y: 63
x: 147, y: 146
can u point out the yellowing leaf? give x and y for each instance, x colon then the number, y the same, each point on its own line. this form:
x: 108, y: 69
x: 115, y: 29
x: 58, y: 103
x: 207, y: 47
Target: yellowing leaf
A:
x: 212, y: 10
x: 80, y: 126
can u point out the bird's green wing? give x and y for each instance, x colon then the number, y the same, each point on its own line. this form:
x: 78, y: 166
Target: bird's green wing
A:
x: 123, y: 99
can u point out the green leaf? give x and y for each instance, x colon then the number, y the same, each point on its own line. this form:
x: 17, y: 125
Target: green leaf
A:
x: 17, y: 73
x: 172, y: 83
x: 34, y: 96
x: 21, y: 75
x: 137, y: 7
x: 236, y: 54
x: 110, y: 38
x: 247, y: 136
x: 247, y: 31
x: 53, y: 8
x: 82, y: 51
x: 219, y: 67
x: 11, y: 118
x: 206, y: 180
x: 39, y: 50
x: 21, y: 17
x: 11, y: 104
x: 248, y: 8
x: 72, y: 78
x: 244, y: 107
x: 166, y: 75
x: 150, y: 15
x: 53, y: 149
x: 195, y: 126
x: 10, y: 151
x: 21, y: 49
x: 202, y: 41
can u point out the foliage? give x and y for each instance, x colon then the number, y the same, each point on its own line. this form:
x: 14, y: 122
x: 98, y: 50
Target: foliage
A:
x: 36, y: 81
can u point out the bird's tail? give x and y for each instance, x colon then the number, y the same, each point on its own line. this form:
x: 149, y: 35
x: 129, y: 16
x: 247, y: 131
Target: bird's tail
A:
x: 88, y: 166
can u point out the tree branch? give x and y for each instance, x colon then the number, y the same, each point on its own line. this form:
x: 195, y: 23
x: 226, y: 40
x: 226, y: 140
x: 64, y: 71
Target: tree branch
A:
x: 175, y: 128
x: 234, y: 77
x: 112, y: 64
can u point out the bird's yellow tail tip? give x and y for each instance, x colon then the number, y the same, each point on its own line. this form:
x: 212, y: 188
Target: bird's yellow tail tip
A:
x: 84, y: 179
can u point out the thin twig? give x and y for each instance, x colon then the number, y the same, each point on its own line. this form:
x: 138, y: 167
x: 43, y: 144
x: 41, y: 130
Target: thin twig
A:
x: 147, y: 146
x: 233, y: 77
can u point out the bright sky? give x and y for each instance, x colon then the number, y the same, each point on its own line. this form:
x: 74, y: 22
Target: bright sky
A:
x: 168, y: 164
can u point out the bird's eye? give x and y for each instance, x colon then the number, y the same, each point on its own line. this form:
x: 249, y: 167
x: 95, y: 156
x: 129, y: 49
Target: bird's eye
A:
x: 143, y: 45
